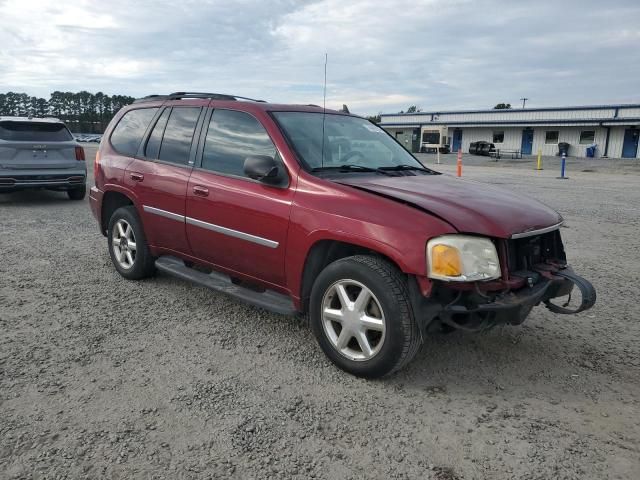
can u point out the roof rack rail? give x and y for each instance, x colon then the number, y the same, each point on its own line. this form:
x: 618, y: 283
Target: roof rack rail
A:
x: 179, y: 95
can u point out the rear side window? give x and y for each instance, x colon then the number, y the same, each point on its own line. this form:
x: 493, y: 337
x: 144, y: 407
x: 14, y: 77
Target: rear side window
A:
x: 127, y: 135
x: 34, y: 132
x: 178, y: 134
x: 155, y: 139
x: 231, y: 138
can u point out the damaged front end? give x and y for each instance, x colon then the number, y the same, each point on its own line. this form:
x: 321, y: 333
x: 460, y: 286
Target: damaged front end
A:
x: 534, y: 271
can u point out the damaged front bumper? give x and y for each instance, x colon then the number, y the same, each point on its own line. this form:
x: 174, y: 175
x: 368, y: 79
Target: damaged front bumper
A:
x: 475, y: 310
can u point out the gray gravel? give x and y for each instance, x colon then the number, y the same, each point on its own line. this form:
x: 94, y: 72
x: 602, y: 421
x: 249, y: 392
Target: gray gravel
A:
x: 102, y: 377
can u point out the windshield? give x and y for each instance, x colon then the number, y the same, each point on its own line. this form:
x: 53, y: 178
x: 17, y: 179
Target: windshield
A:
x: 347, y: 141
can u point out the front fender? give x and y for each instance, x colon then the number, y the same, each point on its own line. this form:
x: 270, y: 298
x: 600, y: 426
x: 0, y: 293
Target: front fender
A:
x: 402, y: 240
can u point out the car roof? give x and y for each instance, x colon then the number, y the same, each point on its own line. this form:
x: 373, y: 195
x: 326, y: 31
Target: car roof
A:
x: 227, y: 101
x: 31, y: 119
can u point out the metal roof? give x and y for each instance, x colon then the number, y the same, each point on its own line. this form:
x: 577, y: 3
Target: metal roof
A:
x: 518, y: 123
x: 595, y: 115
x: 504, y: 110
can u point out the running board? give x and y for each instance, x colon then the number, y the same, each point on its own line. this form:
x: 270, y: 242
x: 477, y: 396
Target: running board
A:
x: 269, y: 300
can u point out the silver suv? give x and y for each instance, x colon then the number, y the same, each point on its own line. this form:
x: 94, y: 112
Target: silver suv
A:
x: 40, y: 153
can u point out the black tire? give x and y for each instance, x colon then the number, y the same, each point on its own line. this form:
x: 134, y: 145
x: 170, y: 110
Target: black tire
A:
x: 402, y: 337
x: 77, y: 193
x: 144, y: 264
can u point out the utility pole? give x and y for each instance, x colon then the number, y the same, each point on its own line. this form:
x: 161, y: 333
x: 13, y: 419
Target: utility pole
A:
x: 524, y: 101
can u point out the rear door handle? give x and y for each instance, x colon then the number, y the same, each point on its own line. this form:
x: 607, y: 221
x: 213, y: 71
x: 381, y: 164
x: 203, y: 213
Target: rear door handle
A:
x: 138, y: 177
x: 201, y: 191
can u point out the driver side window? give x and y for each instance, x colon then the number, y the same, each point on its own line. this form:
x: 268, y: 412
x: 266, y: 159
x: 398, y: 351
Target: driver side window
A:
x: 232, y: 136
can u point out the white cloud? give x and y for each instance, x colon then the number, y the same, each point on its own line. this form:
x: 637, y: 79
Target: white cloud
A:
x: 383, y: 56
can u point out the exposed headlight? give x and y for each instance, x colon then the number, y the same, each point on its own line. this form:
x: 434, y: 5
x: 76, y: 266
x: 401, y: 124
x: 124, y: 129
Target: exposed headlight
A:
x: 462, y: 258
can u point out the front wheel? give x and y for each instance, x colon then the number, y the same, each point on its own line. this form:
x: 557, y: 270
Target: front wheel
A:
x: 128, y: 246
x: 362, y: 318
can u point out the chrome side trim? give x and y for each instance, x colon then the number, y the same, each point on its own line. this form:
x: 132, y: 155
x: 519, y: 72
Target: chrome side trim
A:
x: 540, y: 231
x: 163, y: 213
x: 214, y: 228
x: 233, y: 233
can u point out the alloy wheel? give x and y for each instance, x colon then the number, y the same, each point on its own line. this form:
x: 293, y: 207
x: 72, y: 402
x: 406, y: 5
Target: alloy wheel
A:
x: 123, y: 241
x: 353, y: 320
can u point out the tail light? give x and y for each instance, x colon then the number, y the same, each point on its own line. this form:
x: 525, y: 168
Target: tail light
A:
x: 96, y: 164
x: 80, y: 154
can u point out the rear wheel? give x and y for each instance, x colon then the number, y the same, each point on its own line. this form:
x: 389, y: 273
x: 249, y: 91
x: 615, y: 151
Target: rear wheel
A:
x: 77, y: 193
x: 362, y: 318
x: 128, y: 246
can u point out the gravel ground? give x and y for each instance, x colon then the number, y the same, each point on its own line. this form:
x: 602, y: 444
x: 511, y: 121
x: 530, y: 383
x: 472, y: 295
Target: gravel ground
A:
x: 102, y: 377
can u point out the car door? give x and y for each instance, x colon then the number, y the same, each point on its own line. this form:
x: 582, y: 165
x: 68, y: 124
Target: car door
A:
x: 160, y: 173
x: 235, y: 222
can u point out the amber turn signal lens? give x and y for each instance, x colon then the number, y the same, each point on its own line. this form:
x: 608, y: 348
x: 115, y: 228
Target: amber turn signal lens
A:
x: 446, y: 261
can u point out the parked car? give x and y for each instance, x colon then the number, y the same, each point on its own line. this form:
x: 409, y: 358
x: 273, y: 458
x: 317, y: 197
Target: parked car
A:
x: 481, y: 148
x: 40, y: 153
x: 250, y: 199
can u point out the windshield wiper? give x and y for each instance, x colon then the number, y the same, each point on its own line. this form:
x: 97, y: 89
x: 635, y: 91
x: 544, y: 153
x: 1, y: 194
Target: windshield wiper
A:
x: 397, y: 168
x: 350, y: 168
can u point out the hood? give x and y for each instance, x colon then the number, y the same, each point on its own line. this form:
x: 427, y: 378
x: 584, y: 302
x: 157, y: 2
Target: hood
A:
x: 471, y: 207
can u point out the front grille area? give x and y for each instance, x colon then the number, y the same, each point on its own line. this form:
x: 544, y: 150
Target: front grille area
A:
x: 525, y: 252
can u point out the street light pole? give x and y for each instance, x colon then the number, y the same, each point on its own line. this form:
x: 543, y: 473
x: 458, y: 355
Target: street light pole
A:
x: 524, y: 101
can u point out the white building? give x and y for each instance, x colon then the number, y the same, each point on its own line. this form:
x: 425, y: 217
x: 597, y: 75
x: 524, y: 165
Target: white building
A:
x: 615, y: 129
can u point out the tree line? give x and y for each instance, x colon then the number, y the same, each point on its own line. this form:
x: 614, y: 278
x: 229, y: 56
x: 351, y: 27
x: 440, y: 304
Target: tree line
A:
x: 83, y: 112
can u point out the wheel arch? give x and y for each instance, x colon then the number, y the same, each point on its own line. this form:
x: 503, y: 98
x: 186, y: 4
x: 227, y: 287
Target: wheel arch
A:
x: 326, y: 251
x: 111, y: 201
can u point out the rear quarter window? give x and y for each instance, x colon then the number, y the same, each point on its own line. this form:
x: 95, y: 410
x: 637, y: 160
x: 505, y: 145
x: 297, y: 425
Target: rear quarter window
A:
x: 127, y: 135
x: 34, y: 132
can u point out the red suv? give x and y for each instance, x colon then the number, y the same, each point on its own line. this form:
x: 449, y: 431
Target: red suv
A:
x: 300, y: 210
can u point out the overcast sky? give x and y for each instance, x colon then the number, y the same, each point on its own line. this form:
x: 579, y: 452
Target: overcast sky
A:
x: 383, y: 56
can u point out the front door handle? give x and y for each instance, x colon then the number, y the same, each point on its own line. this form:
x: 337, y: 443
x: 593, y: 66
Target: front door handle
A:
x: 138, y: 177
x: 201, y: 191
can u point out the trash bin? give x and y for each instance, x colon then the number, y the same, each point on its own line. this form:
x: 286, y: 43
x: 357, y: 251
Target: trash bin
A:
x: 591, y: 151
x: 563, y: 147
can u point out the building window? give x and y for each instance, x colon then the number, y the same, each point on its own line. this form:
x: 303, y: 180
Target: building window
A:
x: 498, y: 137
x: 551, y: 137
x: 431, y: 138
x: 587, y: 136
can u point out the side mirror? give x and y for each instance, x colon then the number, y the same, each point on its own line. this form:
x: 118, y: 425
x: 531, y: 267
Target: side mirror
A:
x: 263, y: 168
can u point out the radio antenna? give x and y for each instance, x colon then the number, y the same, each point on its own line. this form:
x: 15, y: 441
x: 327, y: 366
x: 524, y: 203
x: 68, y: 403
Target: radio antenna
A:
x: 324, y: 105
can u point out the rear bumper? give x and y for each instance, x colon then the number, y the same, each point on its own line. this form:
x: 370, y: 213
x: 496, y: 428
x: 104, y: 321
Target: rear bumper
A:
x: 95, y: 201
x: 12, y: 180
